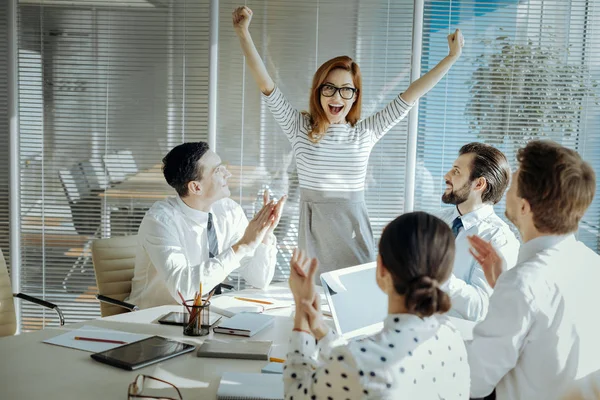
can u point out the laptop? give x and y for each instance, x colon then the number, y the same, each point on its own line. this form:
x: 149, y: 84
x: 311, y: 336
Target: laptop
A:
x: 358, y: 307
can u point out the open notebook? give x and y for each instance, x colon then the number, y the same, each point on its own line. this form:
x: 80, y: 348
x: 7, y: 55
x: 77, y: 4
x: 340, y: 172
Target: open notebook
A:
x: 250, y: 386
x: 231, y: 305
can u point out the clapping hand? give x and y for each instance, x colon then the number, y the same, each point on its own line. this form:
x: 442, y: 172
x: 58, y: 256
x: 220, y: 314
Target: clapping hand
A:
x: 308, y: 310
x: 302, y: 273
x: 485, y: 254
x: 275, y: 214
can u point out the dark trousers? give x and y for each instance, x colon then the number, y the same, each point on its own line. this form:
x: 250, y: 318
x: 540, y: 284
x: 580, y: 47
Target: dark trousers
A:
x: 491, y: 396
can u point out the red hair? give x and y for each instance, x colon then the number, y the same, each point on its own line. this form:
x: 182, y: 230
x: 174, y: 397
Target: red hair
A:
x: 318, y: 118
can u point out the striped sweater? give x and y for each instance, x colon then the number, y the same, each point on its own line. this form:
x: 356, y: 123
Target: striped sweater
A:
x: 339, y: 161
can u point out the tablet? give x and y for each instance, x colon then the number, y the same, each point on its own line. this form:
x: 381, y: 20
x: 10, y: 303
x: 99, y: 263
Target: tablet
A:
x: 144, y: 352
x: 179, y: 318
x: 357, y: 305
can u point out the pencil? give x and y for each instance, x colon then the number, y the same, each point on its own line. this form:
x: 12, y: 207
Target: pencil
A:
x: 277, y: 360
x: 253, y: 300
x: 100, y: 340
x: 189, y: 310
x: 200, y: 295
x: 210, y: 295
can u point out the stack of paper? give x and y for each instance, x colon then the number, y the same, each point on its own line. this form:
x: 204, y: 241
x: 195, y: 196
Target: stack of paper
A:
x: 246, y: 350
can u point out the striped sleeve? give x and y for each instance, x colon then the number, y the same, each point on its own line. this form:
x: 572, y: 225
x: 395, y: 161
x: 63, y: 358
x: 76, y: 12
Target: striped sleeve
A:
x: 381, y: 122
x: 289, y: 119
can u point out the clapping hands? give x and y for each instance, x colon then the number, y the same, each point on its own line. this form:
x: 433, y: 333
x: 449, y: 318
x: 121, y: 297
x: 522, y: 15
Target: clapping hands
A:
x: 308, y: 303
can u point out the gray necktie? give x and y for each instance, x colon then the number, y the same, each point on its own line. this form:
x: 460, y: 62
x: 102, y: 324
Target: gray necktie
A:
x: 213, y: 242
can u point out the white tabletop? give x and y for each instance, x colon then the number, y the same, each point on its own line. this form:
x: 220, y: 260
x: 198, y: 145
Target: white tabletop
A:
x: 35, y: 370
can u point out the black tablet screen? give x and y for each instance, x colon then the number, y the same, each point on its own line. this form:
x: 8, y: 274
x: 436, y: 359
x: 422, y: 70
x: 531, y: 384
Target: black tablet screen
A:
x: 179, y: 318
x: 143, y: 352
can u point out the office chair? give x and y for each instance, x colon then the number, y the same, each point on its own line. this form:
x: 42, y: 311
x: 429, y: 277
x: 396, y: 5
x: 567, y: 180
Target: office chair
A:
x: 114, y: 261
x: 8, y: 318
x: 86, y: 212
x: 119, y: 166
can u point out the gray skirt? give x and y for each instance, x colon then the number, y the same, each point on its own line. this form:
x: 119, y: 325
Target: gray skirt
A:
x: 335, y: 228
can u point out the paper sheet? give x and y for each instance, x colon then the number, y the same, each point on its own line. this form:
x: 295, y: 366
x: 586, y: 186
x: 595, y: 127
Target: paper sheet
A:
x: 67, y: 339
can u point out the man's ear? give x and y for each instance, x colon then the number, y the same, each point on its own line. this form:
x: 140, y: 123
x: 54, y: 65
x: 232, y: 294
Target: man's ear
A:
x: 195, y: 188
x: 525, y: 206
x: 480, y: 184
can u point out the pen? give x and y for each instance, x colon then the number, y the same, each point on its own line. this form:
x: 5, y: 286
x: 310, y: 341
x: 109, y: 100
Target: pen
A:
x: 89, y: 339
x: 200, y: 295
x: 253, y: 300
x: 277, y: 360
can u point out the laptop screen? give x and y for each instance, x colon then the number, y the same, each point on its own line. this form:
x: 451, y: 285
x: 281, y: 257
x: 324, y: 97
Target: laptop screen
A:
x: 357, y: 305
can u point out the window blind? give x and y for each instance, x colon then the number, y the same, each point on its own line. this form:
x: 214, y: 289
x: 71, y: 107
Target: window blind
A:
x: 294, y: 39
x: 106, y: 88
x: 529, y: 70
x: 4, y: 135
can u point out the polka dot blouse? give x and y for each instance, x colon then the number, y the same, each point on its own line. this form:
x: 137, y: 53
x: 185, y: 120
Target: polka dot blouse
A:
x: 411, y: 358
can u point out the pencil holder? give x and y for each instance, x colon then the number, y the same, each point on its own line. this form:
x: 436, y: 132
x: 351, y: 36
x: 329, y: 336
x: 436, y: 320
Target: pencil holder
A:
x: 196, y: 318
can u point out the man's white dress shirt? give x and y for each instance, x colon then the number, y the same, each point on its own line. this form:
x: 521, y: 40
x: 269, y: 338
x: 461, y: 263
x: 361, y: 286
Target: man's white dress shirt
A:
x: 542, y: 328
x: 411, y: 358
x: 467, y: 286
x: 173, y: 249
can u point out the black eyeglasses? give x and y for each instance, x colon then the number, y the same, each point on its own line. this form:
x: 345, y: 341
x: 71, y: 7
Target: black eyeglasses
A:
x: 346, y: 93
x: 134, y: 392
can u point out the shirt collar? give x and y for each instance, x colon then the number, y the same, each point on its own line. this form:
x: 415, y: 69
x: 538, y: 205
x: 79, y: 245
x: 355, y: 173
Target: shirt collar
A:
x: 539, y: 244
x: 410, y: 321
x: 471, y: 219
x: 198, y: 216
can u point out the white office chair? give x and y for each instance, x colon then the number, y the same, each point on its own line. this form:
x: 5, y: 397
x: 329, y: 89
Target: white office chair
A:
x: 114, y: 262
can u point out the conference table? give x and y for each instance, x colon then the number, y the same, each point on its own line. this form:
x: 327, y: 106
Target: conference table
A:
x: 35, y: 370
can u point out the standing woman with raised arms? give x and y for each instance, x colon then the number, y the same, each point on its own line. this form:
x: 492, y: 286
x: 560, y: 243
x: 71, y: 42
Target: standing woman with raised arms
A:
x: 332, y: 147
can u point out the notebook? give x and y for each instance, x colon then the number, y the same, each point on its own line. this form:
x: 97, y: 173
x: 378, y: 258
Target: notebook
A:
x: 272, y: 368
x: 244, y: 324
x: 249, y: 386
x: 246, y: 350
x: 232, y: 305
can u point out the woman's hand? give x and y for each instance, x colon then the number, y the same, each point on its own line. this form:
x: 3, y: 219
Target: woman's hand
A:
x: 302, y: 273
x: 314, y: 316
x: 241, y: 18
x: 456, y: 41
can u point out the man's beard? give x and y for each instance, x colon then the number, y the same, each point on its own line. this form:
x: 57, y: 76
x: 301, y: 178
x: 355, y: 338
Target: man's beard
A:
x: 457, y: 196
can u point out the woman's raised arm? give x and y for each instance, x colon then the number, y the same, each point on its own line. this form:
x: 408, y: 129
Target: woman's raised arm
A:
x: 425, y: 83
x: 241, y: 21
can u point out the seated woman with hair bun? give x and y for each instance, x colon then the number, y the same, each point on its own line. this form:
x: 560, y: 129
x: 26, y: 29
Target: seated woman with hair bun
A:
x: 417, y: 355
